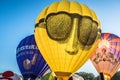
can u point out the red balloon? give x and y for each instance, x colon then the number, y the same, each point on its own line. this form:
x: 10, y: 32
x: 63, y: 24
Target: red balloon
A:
x: 8, y: 74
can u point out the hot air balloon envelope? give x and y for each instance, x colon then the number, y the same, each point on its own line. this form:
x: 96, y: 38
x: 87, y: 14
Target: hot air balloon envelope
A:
x: 106, y: 58
x: 66, y: 34
x: 29, y: 59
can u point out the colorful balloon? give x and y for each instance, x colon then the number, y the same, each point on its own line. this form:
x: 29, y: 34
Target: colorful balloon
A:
x: 67, y: 34
x: 29, y: 59
x: 9, y: 75
x: 106, y: 57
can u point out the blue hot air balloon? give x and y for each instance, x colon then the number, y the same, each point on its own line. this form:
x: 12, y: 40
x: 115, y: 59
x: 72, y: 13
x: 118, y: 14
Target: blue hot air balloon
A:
x: 30, y: 61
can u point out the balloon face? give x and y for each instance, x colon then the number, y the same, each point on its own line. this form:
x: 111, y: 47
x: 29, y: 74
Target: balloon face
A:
x: 65, y: 38
x: 106, y: 58
x: 30, y: 61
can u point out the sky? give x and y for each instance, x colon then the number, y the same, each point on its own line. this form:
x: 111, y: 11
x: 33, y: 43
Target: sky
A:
x: 17, y: 20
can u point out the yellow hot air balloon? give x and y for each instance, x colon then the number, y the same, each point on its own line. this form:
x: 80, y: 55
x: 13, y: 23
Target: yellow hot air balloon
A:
x: 67, y: 33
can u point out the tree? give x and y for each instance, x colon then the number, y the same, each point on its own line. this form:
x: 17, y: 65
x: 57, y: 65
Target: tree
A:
x: 86, y: 76
x: 97, y: 78
x: 48, y: 76
x: 116, y: 76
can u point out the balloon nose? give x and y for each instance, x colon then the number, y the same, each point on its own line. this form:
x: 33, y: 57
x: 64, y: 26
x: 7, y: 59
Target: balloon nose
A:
x: 72, y: 44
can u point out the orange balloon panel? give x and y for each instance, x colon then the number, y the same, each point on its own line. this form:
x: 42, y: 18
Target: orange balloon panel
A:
x: 106, y: 58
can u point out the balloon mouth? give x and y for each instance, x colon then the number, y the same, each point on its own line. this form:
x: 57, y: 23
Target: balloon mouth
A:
x: 32, y: 76
x: 107, y: 77
x: 63, y: 73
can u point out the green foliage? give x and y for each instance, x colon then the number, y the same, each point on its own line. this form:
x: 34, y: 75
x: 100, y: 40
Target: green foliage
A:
x: 48, y: 76
x: 97, y: 78
x: 116, y: 76
x: 86, y: 76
